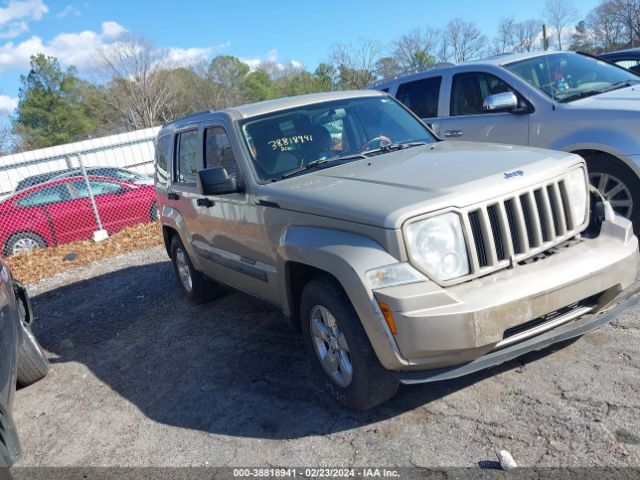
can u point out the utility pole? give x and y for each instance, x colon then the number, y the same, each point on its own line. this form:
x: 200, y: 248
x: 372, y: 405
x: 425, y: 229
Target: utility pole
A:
x: 545, y: 38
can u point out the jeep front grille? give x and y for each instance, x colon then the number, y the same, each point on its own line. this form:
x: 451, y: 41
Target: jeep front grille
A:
x: 512, y: 228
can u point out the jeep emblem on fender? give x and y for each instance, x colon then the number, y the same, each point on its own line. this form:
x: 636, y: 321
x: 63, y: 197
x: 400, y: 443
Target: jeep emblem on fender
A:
x: 515, y: 173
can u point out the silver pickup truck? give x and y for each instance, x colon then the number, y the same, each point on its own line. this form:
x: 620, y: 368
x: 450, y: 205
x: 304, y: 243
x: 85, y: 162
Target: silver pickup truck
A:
x: 402, y: 258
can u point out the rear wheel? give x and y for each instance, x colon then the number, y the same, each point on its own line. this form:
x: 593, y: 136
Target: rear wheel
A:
x: 618, y: 184
x: 195, y: 286
x: 23, y: 242
x: 340, y: 349
x: 32, y: 361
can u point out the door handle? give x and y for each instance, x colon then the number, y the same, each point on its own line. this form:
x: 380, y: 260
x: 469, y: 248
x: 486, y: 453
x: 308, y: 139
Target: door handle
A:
x: 205, y: 202
x: 173, y: 196
x: 453, y: 133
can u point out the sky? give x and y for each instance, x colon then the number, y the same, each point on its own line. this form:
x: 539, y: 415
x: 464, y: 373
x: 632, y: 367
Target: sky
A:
x: 253, y: 30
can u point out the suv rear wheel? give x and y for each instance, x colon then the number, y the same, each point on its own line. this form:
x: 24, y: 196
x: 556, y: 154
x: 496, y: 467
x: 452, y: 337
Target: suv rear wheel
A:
x: 196, y: 287
x: 340, y: 349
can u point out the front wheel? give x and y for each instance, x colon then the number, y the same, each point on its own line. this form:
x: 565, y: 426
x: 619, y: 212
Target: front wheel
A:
x: 340, y: 349
x: 23, y: 242
x: 618, y: 185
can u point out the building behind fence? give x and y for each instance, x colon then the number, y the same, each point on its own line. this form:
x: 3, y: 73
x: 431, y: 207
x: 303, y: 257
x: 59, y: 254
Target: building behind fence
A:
x: 75, y: 191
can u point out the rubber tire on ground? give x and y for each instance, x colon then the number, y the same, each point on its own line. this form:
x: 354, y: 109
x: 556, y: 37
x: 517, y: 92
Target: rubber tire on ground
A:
x: 32, y: 361
x: 371, y: 383
x: 8, y: 249
x: 203, y: 289
x: 609, y: 165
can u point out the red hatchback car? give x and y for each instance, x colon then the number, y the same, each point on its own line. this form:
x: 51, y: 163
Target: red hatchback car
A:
x: 60, y: 211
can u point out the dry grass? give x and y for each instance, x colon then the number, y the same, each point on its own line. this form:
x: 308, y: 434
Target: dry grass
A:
x: 31, y: 267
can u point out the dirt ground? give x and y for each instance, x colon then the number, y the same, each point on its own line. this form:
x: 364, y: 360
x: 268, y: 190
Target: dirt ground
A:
x: 141, y: 378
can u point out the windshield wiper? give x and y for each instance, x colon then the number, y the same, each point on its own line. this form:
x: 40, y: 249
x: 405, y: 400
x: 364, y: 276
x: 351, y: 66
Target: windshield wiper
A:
x: 321, y: 161
x: 589, y: 93
x: 391, y: 147
x: 579, y: 95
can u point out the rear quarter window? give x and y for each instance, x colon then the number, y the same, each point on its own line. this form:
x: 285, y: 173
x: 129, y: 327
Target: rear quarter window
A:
x: 421, y: 96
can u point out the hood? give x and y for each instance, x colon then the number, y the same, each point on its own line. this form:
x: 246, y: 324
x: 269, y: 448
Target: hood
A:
x: 385, y: 190
x: 623, y: 99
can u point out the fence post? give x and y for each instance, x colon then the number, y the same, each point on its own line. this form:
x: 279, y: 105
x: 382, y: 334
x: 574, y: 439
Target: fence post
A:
x: 100, y: 234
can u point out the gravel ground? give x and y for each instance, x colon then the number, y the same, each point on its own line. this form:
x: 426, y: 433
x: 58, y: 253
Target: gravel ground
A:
x: 141, y: 378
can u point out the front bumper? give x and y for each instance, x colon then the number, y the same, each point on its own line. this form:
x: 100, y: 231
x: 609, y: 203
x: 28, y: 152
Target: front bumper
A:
x: 442, y: 328
x: 574, y: 329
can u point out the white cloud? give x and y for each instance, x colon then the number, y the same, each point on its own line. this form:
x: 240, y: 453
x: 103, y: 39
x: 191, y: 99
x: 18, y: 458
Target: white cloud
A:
x: 68, y: 10
x: 18, y: 9
x: 112, y: 30
x: 14, y: 29
x: 79, y: 49
x: 7, y: 104
x: 188, y: 56
x: 271, y: 58
x: 12, y: 17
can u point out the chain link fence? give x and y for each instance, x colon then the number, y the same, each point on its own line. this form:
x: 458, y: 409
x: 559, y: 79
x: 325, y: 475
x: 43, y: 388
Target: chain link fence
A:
x: 77, y: 191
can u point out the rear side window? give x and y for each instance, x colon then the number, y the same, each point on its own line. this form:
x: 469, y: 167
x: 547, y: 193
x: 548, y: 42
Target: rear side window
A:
x: 186, y: 170
x: 633, y: 65
x: 469, y: 90
x: 218, y: 151
x: 98, y: 187
x: 163, y: 152
x: 421, y: 96
x: 54, y: 194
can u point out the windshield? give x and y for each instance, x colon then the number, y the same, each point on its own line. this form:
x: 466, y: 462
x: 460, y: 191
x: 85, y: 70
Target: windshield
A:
x: 569, y: 76
x: 286, y: 141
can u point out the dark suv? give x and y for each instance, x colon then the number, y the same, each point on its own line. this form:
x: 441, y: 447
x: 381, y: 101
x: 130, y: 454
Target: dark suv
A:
x: 22, y: 359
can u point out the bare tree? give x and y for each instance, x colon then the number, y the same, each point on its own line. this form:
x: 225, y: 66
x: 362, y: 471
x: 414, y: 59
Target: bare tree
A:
x: 505, y: 40
x: 356, y: 63
x: 416, y: 50
x: 140, y: 82
x: 6, y: 137
x: 627, y: 14
x: 527, y: 34
x: 603, y: 24
x: 466, y: 40
x: 559, y: 14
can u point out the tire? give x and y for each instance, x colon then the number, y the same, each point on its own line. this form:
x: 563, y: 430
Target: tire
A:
x: 195, y: 286
x: 22, y: 242
x: 32, y: 361
x: 606, y: 173
x: 370, y: 384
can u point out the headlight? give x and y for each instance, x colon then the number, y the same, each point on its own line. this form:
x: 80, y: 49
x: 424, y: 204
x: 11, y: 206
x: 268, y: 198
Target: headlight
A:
x: 436, y: 246
x: 577, y: 192
x: 393, y: 275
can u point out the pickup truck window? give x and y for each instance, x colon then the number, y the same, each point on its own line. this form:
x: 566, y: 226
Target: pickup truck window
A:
x: 218, y: 151
x: 469, y: 90
x: 287, y: 140
x: 421, y: 96
x: 186, y: 168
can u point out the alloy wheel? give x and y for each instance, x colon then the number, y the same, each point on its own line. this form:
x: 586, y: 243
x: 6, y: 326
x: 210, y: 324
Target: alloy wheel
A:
x: 184, y: 271
x: 614, y: 191
x: 331, y: 346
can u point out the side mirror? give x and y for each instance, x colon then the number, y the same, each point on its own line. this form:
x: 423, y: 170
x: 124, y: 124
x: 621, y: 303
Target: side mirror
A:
x: 216, y: 181
x: 500, y: 102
